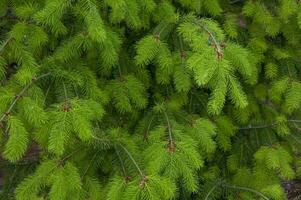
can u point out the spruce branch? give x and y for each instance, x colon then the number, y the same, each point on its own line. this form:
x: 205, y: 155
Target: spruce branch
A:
x: 89, y: 165
x: 18, y: 96
x: 119, y: 71
x: 145, y: 136
x: 66, y: 105
x: 158, y: 34
x: 235, y: 1
x: 65, y: 92
x: 266, y: 125
x: 133, y: 160
x: 221, y: 184
x: 171, y: 145
x: 46, y: 95
x: 121, y: 162
x: 9, y: 17
x: 4, y: 44
x: 164, y: 70
x: 246, y: 189
x: 122, y: 165
x: 297, y: 127
x: 211, y: 191
x: 294, y: 120
x: 216, y: 45
x: 144, y: 178
x: 64, y: 159
x: 258, y: 127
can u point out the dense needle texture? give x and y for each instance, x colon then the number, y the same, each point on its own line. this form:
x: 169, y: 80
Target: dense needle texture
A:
x: 149, y: 99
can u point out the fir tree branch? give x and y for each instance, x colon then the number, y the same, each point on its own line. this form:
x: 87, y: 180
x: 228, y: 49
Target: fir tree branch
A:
x: 18, y: 96
x: 170, y: 139
x: 46, y: 95
x: 133, y: 160
x: 4, y: 44
x: 70, y: 155
x: 9, y: 17
x: 119, y: 71
x: 245, y: 189
x: 211, y: 191
x: 267, y: 125
x: 295, y: 138
x: 65, y: 92
x: 257, y: 127
x: 27, y: 161
x: 89, y: 165
x: 145, y: 136
x: 121, y: 162
x: 12, y: 177
x: 294, y: 120
x: 235, y: 1
x: 217, y: 46
x: 61, y: 161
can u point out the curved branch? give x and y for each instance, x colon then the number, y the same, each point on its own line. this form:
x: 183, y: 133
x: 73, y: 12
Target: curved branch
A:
x: 294, y: 120
x: 218, y: 48
x: 18, y: 96
x: 121, y: 162
x: 145, y: 136
x: 89, y: 165
x: 258, y: 127
x: 133, y: 160
x: 246, y: 189
x: 4, y: 44
x: 211, y: 190
x: 170, y: 139
x: 267, y: 125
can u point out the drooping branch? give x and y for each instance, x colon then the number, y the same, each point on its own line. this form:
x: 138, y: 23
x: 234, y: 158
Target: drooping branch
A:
x: 89, y: 165
x: 145, y: 136
x: 143, y: 177
x: 246, y: 189
x: 18, y: 96
x: 235, y: 1
x: 121, y: 163
x: 272, y: 124
x: 258, y: 127
x: 133, y: 160
x: 170, y: 139
x: 4, y: 44
x: 211, y: 191
x: 294, y: 120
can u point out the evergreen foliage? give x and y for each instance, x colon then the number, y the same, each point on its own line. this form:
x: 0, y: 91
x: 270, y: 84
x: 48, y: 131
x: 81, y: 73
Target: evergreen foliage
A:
x: 149, y: 99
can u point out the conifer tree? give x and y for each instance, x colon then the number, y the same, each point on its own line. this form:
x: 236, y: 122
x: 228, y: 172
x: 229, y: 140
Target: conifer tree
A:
x: 149, y: 99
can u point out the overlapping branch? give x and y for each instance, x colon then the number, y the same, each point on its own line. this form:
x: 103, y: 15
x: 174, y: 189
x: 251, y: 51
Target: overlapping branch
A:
x: 21, y: 93
x: 262, y: 126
